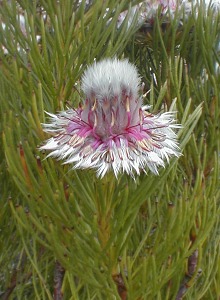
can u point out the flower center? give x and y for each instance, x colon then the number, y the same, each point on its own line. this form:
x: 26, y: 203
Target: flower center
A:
x: 111, y: 117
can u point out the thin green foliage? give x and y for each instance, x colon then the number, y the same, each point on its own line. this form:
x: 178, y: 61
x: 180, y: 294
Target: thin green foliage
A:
x: 141, y: 233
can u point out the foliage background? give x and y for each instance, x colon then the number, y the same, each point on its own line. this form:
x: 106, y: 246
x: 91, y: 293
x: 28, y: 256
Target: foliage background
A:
x: 64, y: 233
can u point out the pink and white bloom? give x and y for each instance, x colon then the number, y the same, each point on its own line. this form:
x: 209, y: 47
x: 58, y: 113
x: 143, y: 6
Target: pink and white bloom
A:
x: 112, y: 130
x: 147, y: 10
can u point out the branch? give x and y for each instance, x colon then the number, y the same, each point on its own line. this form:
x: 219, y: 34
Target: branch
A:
x: 11, y: 287
x: 122, y: 291
x: 187, y: 281
x: 58, y: 280
x: 14, y: 281
x: 6, y: 295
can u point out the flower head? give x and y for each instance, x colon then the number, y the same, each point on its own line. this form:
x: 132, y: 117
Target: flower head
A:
x: 147, y: 10
x: 112, y: 130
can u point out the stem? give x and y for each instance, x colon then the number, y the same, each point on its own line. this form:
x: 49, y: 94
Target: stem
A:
x: 14, y: 281
x: 122, y: 291
x: 58, y: 280
x: 188, y: 279
x: 105, y: 207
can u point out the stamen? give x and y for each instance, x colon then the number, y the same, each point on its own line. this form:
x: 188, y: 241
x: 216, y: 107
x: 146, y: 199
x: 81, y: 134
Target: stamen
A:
x: 59, y: 136
x: 86, y: 151
x: 144, y: 144
x: 158, y: 137
x: 111, y: 154
x: 135, y: 150
x: 128, y: 154
x: 72, y: 140
x: 95, y: 124
x: 94, y: 105
x: 108, y: 157
x: 90, y: 114
x: 112, y: 118
x: 127, y: 106
x: 85, y: 104
x: 77, y: 141
x: 95, y: 156
x: 141, y: 118
x: 120, y: 153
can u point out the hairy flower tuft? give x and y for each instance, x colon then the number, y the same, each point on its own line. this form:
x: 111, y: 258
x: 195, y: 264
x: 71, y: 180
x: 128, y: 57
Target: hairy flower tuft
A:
x: 112, y: 130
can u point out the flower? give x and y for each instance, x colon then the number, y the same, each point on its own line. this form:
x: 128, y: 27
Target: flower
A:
x: 112, y: 130
x: 147, y: 10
